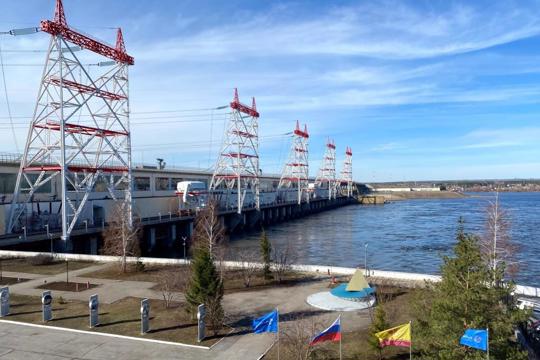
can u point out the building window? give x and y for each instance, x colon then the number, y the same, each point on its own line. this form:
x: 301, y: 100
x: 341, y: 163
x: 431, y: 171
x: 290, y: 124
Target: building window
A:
x: 43, y: 189
x: 7, y: 183
x: 101, y: 185
x: 120, y: 185
x: 162, y: 184
x: 141, y: 183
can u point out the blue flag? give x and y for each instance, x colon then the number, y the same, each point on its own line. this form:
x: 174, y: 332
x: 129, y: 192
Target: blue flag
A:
x: 266, y: 323
x: 477, y: 339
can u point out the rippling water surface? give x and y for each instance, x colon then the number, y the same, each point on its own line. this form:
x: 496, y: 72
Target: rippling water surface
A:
x: 407, y: 235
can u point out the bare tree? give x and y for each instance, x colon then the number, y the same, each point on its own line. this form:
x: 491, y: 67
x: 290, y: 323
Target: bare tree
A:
x: 209, y: 232
x: 248, y: 265
x: 296, y: 335
x: 496, y: 242
x: 208, y: 229
x: 121, y: 237
x: 172, y: 281
x: 221, y: 251
x: 206, y: 282
x: 284, y: 257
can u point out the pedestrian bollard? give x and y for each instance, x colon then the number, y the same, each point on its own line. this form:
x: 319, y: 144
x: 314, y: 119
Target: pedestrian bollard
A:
x: 145, y: 316
x: 201, y: 314
x: 46, y: 301
x: 4, y: 301
x: 93, y: 305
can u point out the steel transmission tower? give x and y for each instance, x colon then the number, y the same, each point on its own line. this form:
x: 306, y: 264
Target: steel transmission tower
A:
x: 80, y: 131
x: 237, y: 167
x: 346, y: 172
x: 327, y: 171
x: 296, y: 170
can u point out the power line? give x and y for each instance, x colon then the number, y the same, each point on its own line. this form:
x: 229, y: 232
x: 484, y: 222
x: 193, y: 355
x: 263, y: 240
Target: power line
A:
x: 8, y: 107
x: 148, y: 117
x: 197, y: 144
x: 24, y: 125
x: 181, y: 110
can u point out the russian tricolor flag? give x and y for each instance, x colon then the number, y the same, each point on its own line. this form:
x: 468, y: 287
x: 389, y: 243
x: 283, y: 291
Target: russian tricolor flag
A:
x: 332, y: 333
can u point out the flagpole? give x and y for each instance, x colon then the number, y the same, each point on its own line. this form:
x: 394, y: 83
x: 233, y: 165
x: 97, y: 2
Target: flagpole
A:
x: 277, y: 334
x: 410, y: 340
x: 487, y: 340
x: 340, y: 335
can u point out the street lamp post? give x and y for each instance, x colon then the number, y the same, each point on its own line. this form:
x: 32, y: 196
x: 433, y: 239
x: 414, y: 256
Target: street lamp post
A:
x: 49, y: 237
x: 184, y: 240
x: 365, y: 259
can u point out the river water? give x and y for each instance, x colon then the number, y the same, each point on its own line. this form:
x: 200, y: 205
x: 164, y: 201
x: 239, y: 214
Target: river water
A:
x: 409, y: 235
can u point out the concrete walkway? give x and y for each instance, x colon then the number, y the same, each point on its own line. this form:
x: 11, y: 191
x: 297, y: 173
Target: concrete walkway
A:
x: 28, y: 343
x: 47, y: 343
x: 108, y: 290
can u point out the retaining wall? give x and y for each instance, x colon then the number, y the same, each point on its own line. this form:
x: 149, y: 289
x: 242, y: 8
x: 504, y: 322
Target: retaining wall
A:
x: 321, y: 269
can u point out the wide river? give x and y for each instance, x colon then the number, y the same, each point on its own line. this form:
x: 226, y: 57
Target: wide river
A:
x: 408, y: 235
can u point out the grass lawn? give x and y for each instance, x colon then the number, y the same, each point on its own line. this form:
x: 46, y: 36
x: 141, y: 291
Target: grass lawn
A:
x: 57, y: 267
x: 354, y: 344
x: 121, y: 317
x: 233, y: 280
x: 150, y: 273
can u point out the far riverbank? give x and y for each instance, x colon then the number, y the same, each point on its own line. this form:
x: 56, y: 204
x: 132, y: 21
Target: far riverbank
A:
x: 406, y: 195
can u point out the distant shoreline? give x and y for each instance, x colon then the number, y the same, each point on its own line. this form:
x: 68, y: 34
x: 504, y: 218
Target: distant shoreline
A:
x: 407, y: 195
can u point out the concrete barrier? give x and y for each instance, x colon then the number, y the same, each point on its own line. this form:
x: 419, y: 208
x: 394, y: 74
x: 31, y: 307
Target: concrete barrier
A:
x: 320, y: 269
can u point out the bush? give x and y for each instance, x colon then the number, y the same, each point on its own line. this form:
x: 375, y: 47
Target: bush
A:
x: 41, y: 259
x: 139, y: 266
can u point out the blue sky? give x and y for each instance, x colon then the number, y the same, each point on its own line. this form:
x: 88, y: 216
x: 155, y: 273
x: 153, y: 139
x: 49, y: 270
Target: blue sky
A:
x: 419, y: 89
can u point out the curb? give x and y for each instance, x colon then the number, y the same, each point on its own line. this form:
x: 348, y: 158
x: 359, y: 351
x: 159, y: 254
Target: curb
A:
x: 162, y: 342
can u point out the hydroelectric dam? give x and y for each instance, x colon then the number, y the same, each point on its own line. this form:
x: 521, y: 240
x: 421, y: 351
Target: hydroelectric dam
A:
x: 76, y: 177
x: 165, y: 214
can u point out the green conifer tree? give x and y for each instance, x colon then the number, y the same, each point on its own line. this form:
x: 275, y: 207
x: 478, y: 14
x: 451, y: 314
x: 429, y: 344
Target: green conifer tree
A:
x: 266, y: 253
x: 378, y: 324
x: 206, y: 287
x: 206, y: 283
x: 465, y: 298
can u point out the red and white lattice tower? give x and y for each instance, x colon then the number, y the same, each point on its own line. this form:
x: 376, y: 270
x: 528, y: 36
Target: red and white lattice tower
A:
x: 326, y: 178
x: 80, y: 131
x: 346, y: 172
x: 296, y: 170
x: 237, y: 167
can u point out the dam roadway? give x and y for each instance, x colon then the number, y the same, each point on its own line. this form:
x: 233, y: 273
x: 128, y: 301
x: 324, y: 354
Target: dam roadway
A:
x: 155, y: 203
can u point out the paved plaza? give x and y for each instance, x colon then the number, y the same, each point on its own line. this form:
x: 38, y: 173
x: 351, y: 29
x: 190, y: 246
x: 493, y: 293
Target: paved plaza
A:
x: 24, y: 341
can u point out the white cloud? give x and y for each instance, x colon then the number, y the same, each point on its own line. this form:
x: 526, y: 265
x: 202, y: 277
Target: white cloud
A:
x: 318, y: 68
x: 388, y: 30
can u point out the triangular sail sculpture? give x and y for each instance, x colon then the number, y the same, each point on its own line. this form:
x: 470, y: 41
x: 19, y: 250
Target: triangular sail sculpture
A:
x: 358, y: 282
